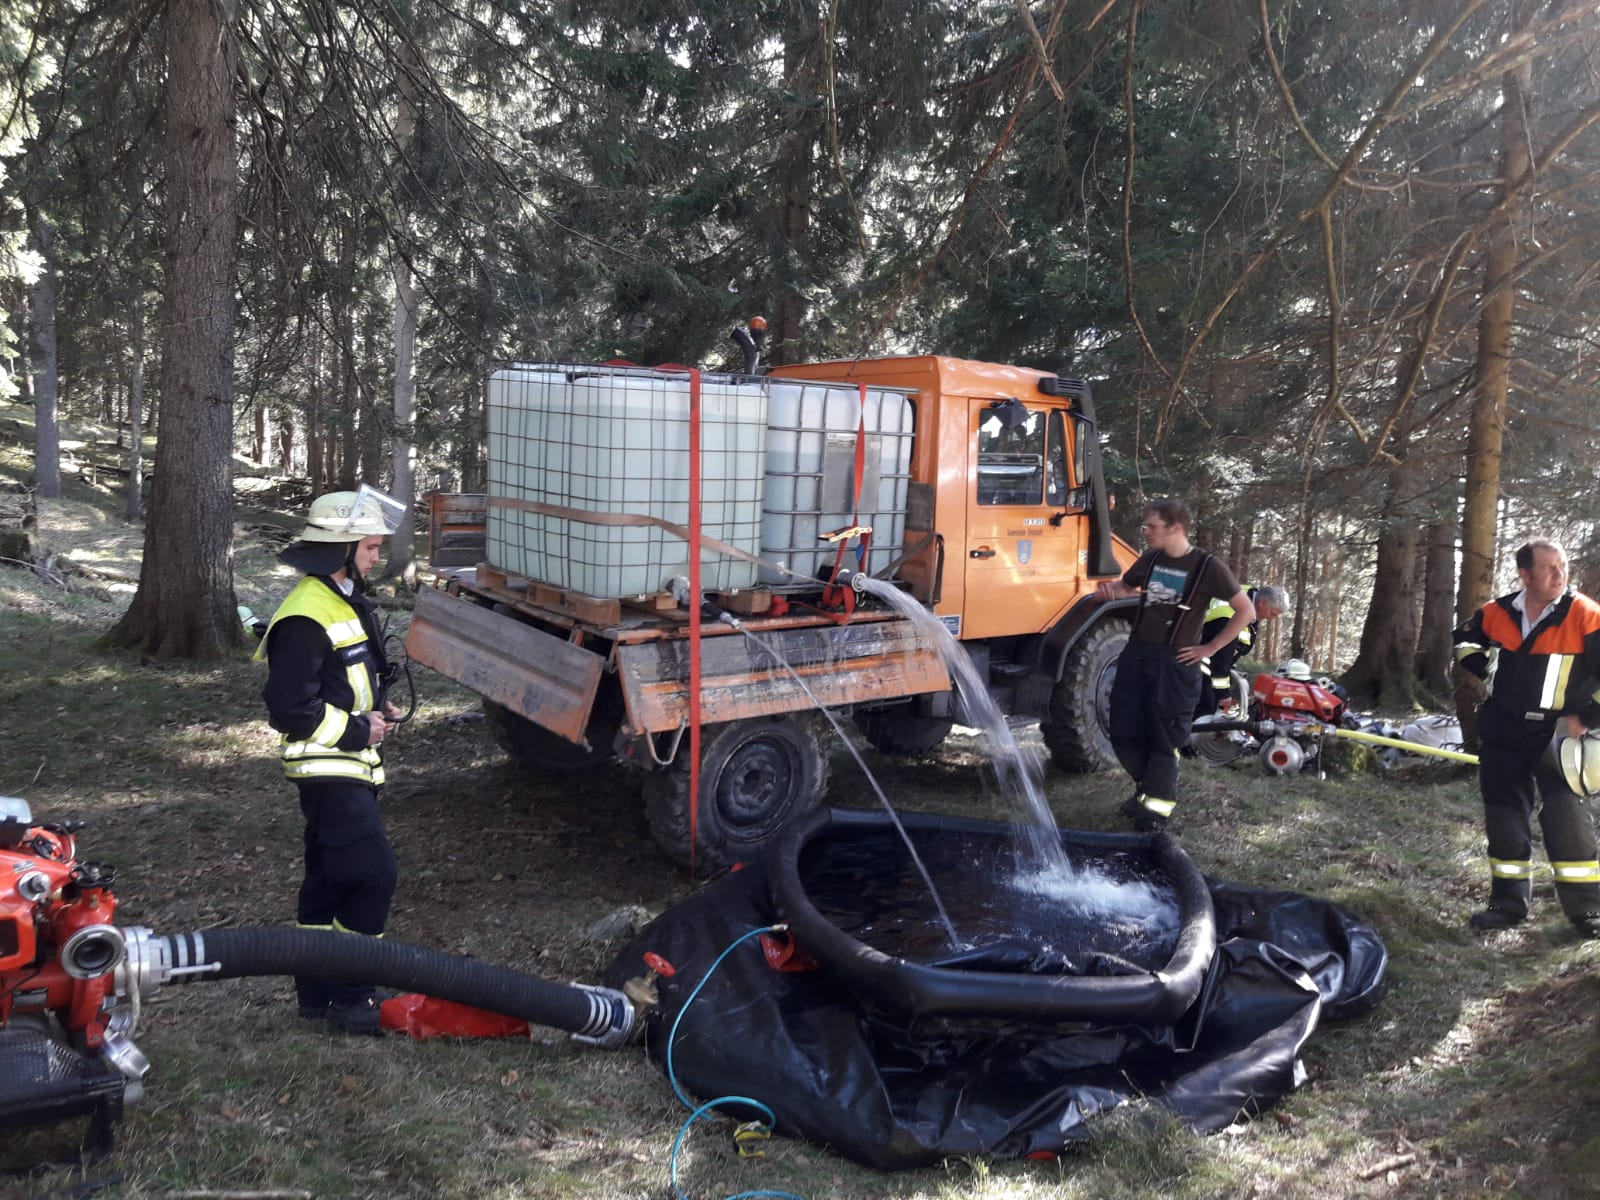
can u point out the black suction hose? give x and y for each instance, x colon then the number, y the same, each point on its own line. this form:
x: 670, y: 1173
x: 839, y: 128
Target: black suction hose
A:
x: 594, y: 1014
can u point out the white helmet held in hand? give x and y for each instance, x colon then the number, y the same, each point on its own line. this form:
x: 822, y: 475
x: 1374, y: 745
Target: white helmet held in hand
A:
x: 1577, y: 760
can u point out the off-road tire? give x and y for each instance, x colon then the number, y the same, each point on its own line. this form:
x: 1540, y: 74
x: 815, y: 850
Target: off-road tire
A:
x: 899, y: 730
x: 539, y: 749
x: 756, y: 776
x: 1077, y: 731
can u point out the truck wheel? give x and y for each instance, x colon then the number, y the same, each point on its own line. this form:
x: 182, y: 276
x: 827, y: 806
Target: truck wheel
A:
x: 1077, y: 732
x: 756, y: 776
x: 898, y: 730
x: 536, y: 747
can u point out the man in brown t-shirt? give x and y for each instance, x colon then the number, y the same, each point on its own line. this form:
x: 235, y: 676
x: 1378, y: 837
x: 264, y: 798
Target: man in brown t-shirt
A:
x: 1158, y: 676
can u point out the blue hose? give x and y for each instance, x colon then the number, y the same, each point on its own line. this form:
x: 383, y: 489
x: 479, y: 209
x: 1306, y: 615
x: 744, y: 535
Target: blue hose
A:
x: 705, y: 1109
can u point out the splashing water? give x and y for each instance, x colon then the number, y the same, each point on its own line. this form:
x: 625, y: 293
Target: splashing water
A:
x: 1019, y: 775
x: 944, y: 917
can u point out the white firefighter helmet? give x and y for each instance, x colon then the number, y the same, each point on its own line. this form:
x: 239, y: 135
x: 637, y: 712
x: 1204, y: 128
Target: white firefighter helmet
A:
x: 1577, y: 760
x: 1296, y: 668
x: 351, y: 516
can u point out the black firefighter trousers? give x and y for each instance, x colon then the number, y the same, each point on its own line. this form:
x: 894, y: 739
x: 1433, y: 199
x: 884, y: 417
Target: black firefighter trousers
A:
x: 351, y: 874
x: 1514, y: 778
x: 1153, y: 700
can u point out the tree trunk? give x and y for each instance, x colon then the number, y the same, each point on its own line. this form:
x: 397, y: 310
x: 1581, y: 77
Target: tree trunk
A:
x: 135, y: 510
x: 1240, y: 542
x: 1486, y: 429
x: 795, y: 172
x: 403, y: 486
x: 1305, y: 531
x: 285, y: 441
x: 185, y: 605
x: 1435, y: 655
x: 1382, y: 671
x: 374, y: 436
x: 42, y: 320
x: 343, y: 302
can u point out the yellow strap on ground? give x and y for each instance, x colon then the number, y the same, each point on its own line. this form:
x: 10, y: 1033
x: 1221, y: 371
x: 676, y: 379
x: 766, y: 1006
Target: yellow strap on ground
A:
x: 1415, y: 747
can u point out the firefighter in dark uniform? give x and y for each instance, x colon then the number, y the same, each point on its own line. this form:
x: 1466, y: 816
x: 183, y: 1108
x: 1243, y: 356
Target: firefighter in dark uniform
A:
x: 1538, y: 651
x: 1158, y: 681
x: 1269, y: 602
x: 325, y: 694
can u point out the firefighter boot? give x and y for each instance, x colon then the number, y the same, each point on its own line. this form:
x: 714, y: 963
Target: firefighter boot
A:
x: 358, y: 1017
x: 1508, y: 905
x: 1138, y: 809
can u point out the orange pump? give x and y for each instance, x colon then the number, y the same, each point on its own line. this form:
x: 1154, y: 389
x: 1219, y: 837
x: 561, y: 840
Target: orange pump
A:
x: 58, y: 947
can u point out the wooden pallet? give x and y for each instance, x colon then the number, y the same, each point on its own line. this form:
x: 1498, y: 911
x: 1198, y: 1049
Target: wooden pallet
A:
x: 592, y: 610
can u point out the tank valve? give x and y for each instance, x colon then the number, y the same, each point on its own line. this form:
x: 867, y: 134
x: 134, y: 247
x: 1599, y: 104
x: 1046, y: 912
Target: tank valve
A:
x: 678, y: 589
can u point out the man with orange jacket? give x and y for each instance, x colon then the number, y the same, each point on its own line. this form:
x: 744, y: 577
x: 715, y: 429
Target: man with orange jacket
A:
x: 1538, y: 650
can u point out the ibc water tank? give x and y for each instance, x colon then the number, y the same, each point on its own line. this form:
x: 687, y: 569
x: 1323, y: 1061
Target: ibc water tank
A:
x: 520, y: 402
x: 616, y: 441
x: 811, y: 487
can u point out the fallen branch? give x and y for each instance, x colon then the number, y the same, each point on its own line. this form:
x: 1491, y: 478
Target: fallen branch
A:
x: 1387, y: 1165
x: 40, y: 570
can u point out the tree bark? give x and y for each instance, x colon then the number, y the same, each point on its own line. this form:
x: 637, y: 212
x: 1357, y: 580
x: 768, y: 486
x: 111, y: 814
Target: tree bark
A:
x: 42, y: 322
x: 135, y: 509
x: 1486, y: 430
x: 1382, y: 671
x: 1435, y: 655
x: 795, y: 172
x: 404, y: 486
x: 185, y: 605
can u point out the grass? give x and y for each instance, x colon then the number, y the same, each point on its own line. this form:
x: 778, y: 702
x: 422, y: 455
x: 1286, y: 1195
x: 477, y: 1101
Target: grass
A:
x: 1474, y: 1076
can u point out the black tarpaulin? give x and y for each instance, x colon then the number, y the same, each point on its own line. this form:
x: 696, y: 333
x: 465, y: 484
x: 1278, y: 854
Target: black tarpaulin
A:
x: 889, y: 1090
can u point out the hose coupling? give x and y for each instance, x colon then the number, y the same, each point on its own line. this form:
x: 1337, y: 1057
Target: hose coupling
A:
x: 612, y: 1020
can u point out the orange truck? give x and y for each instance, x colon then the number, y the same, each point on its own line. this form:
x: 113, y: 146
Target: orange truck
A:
x: 975, y: 489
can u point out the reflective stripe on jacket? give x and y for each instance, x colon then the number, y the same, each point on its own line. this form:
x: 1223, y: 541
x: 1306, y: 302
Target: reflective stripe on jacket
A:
x: 1553, y: 672
x: 313, y: 704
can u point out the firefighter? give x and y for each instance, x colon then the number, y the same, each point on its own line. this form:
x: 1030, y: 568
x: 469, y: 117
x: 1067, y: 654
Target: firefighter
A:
x: 1538, y: 651
x: 1158, y: 680
x: 325, y: 694
x: 1269, y: 602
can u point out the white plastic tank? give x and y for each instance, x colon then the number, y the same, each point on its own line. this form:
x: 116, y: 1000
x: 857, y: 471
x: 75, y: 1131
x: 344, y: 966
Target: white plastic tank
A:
x: 811, y: 490
x: 616, y: 440
x: 521, y: 401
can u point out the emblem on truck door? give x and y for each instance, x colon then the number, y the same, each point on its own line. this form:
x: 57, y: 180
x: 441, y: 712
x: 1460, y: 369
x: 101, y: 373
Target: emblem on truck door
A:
x: 1024, y: 551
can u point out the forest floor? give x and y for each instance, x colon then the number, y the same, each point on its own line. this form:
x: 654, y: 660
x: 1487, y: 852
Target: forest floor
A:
x: 1478, y: 1074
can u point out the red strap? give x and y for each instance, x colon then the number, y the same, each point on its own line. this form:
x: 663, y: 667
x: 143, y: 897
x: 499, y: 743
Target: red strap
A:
x: 694, y: 614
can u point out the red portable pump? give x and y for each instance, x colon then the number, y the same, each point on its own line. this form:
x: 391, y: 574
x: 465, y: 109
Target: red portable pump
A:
x: 1288, y: 717
x: 1293, y: 715
x: 63, y: 1027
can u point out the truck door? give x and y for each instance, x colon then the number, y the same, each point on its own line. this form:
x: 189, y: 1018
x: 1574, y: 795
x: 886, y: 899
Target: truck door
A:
x: 1025, y: 548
